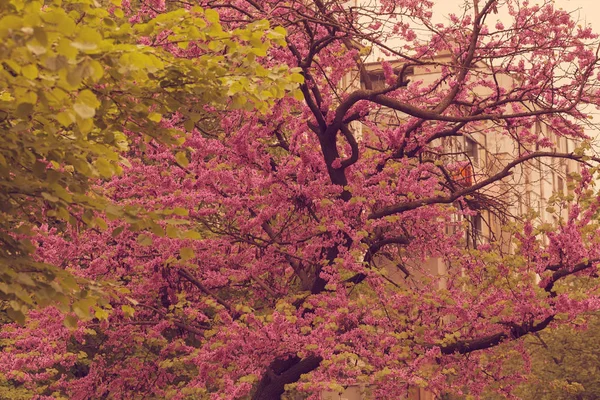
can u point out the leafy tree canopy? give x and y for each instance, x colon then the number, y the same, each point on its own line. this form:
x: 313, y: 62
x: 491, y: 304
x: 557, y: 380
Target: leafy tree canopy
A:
x: 80, y: 84
x: 564, y: 363
x: 309, y: 243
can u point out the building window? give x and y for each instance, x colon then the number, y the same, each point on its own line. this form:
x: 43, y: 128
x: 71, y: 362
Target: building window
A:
x: 560, y: 184
x: 472, y: 150
x: 377, y: 78
x: 475, y: 231
x: 538, y: 127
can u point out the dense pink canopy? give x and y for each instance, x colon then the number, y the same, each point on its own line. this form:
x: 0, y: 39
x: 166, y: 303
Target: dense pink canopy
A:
x: 296, y: 216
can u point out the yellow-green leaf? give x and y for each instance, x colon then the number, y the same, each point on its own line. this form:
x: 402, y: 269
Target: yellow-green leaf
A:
x: 128, y: 310
x: 186, y: 253
x: 297, y: 78
x: 101, y: 314
x: 155, y: 117
x: 70, y: 321
x: 30, y: 71
x: 84, y: 111
x: 104, y: 168
x: 181, y: 159
x: 65, y: 118
x: 211, y: 15
x: 180, y: 211
x: 144, y: 240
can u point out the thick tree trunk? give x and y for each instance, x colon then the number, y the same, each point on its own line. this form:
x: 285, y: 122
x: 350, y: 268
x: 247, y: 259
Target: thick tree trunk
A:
x: 282, y: 372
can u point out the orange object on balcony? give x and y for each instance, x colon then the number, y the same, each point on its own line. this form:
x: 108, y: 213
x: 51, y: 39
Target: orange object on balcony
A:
x: 464, y: 176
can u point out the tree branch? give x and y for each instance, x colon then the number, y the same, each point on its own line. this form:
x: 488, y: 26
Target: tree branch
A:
x: 411, y: 205
x: 353, y: 145
x: 272, y: 385
x: 468, y: 346
x: 185, y: 274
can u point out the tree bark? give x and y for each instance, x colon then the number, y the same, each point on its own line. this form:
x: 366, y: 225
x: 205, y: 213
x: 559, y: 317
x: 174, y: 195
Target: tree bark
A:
x: 282, y: 372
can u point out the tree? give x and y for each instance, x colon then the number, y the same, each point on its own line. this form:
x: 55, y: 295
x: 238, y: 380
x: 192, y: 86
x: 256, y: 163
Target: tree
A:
x: 277, y: 283
x: 564, y: 363
x: 560, y: 363
x: 78, y: 84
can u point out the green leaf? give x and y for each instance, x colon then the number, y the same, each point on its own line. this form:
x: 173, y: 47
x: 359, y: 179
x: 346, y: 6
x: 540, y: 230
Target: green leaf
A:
x: 181, y: 159
x: 65, y: 49
x: 50, y: 197
x: 70, y: 321
x: 40, y: 35
x: 189, y: 125
x: 84, y: 111
x: 104, y: 168
x: 86, y: 104
x: 101, y: 314
x: 24, y: 110
x: 239, y: 101
x: 82, y: 307
x: 192, y: 235
x: 144, y: 240
x: 88, y: 39
x: 172, y: 232
x: 16, y: 315
x: 186, y: 253
x: 298, y: 95
x: 127, y: 310
x: 65, y: 118
x: 211, y: 16
x: 36, y: 48
x: 88, y: 97
x: 297, y: 78
x: 155, y: 117
x: 30, y: 71
x: 117, y: 231
x: 100, y: 223
x: 180, y: 211
x: 157, y: 229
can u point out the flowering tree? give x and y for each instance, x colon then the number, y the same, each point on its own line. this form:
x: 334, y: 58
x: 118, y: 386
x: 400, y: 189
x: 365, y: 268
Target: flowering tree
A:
x: 271, y: 272
x: 76, y: 75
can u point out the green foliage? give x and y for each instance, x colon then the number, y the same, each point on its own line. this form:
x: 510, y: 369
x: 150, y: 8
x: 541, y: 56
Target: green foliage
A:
x: 565, y: 363
x: 77, y: 83
x: 14, y: 392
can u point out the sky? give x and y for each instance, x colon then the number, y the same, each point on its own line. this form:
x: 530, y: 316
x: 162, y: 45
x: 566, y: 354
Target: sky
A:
x: 588, y: 9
